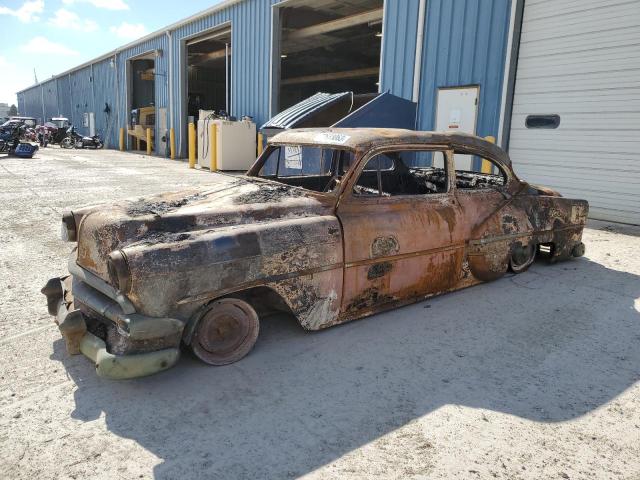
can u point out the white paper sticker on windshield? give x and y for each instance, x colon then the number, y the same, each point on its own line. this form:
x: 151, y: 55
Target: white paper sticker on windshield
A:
x: 293, y: 157
x: 330, y: 137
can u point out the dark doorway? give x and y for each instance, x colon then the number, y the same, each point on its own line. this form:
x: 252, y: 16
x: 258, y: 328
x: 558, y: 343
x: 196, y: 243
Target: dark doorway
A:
x: 209, y: 73
x: 330, y: 46
x: 142, y: 109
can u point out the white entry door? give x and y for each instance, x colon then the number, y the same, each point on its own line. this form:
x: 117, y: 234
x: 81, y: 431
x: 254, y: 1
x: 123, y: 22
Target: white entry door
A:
x: 457, y: 110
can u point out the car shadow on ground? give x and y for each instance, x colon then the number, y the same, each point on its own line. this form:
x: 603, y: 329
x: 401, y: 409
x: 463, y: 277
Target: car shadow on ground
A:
x: 549, y: 345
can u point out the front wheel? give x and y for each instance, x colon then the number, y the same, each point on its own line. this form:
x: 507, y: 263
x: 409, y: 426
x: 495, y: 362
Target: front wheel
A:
x: 67, y: 142
x: 226, y: 332
x: 522, y: 258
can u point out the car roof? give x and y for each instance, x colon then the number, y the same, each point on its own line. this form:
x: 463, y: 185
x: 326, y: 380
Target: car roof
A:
x: 364, y: 139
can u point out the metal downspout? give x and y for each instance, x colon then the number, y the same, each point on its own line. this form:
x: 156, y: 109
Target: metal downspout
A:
x: 417, y: 68
x: 169, y: 37
x: 44, y: 120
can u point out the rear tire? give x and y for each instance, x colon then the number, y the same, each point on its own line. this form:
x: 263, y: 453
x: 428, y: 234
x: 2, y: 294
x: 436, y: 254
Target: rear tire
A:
x: 522, y: 258
x: 226, y: 332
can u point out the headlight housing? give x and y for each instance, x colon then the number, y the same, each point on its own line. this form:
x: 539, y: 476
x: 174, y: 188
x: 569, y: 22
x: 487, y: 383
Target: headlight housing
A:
x: 69, y: 232
x: 119, y: 272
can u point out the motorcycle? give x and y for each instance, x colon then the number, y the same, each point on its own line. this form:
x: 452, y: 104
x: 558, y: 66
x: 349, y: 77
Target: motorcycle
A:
x: 57, y: 129
x: 30, y: 134
x: 44, y: 134
x: 10, y: 141
x: 75, y: 140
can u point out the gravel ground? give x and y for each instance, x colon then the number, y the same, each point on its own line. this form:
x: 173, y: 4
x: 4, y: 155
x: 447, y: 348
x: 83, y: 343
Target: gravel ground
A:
x: 533, y: 376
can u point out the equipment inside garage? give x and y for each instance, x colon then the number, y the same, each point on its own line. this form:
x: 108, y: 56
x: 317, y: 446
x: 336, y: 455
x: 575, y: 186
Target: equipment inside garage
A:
x: 328, y: 46
x: 142, y: 94
x: 209, y: 73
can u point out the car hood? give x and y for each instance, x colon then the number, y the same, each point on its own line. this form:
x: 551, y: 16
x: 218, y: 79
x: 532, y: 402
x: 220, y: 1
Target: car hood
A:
x: 170, y: 217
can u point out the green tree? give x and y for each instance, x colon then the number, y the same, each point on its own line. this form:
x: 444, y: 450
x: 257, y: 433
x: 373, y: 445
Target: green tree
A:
x: 13, y: 111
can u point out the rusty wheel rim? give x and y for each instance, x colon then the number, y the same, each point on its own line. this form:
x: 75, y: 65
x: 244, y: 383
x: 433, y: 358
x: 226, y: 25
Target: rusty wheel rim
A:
x: 522, y: 260
x: 226, y: 332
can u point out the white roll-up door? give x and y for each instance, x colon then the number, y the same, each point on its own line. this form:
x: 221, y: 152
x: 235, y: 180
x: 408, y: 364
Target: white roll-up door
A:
x: 579, y: 65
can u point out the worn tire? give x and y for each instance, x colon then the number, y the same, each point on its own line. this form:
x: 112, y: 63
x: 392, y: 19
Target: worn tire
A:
x: 520, y: 261
x: 67, y: 143
x: 226, y: 332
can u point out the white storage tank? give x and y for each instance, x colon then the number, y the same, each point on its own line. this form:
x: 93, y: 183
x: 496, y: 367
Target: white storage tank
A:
x: 235, y: 143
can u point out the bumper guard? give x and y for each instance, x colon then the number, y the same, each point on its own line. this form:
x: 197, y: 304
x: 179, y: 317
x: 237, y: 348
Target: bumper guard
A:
x: 72, y: 325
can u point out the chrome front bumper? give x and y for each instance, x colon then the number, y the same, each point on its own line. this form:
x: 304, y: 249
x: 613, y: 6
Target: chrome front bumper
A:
x: 65, y: 295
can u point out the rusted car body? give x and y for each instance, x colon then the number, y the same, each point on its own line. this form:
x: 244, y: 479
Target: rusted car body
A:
x: 330, y: 225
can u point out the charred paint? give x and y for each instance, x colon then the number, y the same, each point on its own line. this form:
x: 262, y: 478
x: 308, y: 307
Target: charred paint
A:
x: 329, y: 257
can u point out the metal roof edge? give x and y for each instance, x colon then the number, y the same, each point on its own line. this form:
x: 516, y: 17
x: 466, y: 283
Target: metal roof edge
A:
x: 220, y: 6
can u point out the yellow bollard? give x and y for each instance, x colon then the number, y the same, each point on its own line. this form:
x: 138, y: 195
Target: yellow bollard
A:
x: 149, y: 141
x: 487, y: 167
x: 192, y: 145
x: 259, y: 144
x: 172, y: 143
x: 122, y: 139
x: 213, y: 145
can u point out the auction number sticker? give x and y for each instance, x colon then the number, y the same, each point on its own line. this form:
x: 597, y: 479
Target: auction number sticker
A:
x: 330, y: 137
x: 293, y: 157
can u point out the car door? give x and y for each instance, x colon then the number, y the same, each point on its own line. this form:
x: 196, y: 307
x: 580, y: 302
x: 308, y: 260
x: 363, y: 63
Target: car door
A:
x: 493, y: 220
x: 401, y: 227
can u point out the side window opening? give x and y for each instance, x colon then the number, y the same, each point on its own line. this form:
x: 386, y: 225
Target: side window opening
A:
x: 406, y: 172
x: 475, y: 173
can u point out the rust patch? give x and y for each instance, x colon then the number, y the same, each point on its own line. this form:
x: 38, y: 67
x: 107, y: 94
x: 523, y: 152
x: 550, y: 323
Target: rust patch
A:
x: 367, y: 299
x: 379, y: 270
x: 384, y: 246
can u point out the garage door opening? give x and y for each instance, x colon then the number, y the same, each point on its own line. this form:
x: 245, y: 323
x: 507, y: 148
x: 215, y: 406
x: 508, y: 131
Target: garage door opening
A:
x: 209, y: 74
x: 327, y: 46
x: 142, y: 110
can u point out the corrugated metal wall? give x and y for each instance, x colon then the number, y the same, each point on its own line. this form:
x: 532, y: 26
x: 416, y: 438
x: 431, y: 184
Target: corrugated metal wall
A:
x: 30, y: 103
x: 64, y: 96
x: 399, y: 46
x: 464, y: 44
x: 50, y: 99
x: 81, y: 98
x: 104, y: 76
x: 250, y: 66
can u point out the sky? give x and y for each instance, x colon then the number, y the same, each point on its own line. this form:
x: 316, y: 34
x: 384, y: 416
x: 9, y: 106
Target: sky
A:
x: 52, y: 36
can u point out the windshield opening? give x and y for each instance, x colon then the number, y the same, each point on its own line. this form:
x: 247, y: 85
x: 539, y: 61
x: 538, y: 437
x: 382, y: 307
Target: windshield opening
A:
x: 315, y: 168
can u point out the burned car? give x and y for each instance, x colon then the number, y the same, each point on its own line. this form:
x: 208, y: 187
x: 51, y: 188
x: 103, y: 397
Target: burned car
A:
x: 329, y: 225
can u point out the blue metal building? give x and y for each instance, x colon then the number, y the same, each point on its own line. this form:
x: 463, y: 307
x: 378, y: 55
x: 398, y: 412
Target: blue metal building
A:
x: 426, y: 45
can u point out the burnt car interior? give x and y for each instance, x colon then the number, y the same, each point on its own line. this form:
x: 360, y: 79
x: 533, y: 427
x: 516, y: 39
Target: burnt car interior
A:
x: 314, y: 168
x: 474, y: 172
x: 392, y: 173
x: 403, y: 173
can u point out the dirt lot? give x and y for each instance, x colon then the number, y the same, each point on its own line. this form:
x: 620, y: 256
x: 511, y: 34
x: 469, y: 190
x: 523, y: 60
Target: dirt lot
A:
x: 533, y: 376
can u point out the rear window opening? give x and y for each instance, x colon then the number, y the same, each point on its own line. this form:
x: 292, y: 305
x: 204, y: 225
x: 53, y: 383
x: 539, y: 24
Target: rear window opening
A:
x: 475, y: 173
